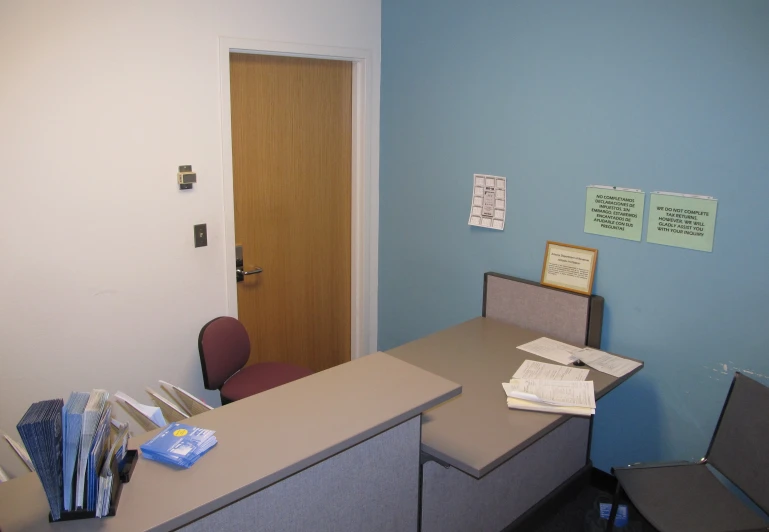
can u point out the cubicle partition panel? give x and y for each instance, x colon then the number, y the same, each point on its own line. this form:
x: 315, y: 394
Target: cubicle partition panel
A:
x: 372, y: 486
x: 452, y: 500
x: 562, y: 315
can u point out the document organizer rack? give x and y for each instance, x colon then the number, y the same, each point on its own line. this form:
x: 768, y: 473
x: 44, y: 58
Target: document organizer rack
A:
x: 119, y: 477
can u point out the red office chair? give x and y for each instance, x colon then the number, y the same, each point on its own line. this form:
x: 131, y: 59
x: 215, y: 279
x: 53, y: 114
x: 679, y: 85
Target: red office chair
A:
x: 224, y: 349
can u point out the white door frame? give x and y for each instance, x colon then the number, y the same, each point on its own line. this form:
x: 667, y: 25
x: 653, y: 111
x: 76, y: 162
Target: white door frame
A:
x: 364, y: 227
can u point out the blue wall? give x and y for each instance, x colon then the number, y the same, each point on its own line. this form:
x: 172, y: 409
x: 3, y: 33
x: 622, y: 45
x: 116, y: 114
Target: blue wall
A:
x: 555, y: 96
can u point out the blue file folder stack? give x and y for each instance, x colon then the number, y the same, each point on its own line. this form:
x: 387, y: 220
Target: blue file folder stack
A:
x: 179, y: 444
x: 74, y: 455
x: 72, y: 424
x: 40, y: 430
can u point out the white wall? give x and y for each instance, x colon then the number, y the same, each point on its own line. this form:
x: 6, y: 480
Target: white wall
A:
x: 100, y: 285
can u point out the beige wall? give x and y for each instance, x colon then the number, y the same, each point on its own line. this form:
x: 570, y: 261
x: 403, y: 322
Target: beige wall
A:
x: 100, y: 285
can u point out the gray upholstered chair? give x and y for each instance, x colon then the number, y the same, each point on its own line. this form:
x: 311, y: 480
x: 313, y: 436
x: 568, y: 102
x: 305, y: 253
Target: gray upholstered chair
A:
x: 686, y: 496
x: 224, y: 349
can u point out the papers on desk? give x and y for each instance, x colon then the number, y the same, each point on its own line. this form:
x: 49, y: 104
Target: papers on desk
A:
x: 557, y: 397
x: 188, y: 402
x: 19, y: 449
x: 73, y: 453
x: 557, y: 393
x: 551, y: 388
x: 531, y: 369
x: 606, y: 362
x: 116, y: 454
x: 551, y: 350
x: 179, y: 444
x: 40, y: 430
x: 91, y: 418
x: 72, y: 426
x: 153, y: 413
x: 567, y: 354
x: 96, y: 457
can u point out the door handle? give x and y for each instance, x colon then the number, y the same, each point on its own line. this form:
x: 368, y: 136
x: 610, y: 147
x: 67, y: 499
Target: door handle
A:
x: 240, y: 275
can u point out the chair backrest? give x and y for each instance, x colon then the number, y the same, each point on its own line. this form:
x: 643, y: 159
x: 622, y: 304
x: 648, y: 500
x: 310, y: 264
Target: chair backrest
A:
x: 224, y: 348
x: 740, y: 442
x: 562, y: 315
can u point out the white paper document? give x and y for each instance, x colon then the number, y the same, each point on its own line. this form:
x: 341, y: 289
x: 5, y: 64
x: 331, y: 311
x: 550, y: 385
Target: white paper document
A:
x: 551, y: 350
x: 534, y: 370
x: 152, y: 412
x: 606, y: 362
x: 558, y: 393
x: 489, y: 204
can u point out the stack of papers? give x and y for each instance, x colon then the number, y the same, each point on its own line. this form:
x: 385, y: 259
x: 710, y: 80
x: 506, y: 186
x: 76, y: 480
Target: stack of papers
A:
x: 115, y: 454
x: 72, y: 426
x: 149, y: 417
x: 96, y: 457
x: 71, y: 448
x: 606, y: 362
x: 19, y: 449
x: 567, y: 354
x: 91, y: 417
x: 171, y: 411
x: 179, y: 444
x: 189, y: 402
x: 40, y: 430
x: 541, y: 387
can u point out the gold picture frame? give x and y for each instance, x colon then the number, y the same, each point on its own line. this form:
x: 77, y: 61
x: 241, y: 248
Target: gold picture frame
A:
x: 569, y: 267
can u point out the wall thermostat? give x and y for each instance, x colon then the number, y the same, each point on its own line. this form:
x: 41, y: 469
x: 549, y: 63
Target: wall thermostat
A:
x: 186, y: 177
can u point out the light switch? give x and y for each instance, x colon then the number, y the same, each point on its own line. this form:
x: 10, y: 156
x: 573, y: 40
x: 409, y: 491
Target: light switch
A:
x: 201, y: 235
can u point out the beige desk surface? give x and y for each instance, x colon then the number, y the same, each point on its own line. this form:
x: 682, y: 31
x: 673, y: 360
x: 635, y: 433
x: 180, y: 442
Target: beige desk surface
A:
x: 476, y: 432
x: 262, y: 439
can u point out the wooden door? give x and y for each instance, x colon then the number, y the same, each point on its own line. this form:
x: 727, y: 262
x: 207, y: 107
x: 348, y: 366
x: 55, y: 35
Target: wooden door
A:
x: 292, y: 164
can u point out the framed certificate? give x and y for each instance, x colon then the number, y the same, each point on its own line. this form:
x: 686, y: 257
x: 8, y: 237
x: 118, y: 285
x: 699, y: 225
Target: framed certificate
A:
x: 569, y: 267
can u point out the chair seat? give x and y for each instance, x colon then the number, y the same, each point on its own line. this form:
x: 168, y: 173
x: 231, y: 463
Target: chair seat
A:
x: 685, y: 498
x: 260, y: 377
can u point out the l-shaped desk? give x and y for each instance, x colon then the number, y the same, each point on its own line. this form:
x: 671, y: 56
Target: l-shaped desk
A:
x: 347, y: 450
x: 484, y: 464
x: 335, y: 451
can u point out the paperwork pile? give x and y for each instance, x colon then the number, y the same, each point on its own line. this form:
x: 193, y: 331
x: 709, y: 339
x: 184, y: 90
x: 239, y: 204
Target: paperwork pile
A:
x: 179, y: 444
x: 541, y: 387
x: 40, y: 430
x: 567, y: 354
x: 70, y: 446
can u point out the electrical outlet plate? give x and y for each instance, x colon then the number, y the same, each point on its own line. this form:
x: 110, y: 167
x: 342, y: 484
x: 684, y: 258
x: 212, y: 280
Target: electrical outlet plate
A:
x: 185, y: 168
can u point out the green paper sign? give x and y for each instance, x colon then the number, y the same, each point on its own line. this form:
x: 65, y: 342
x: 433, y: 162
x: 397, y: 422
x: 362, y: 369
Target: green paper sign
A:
x: 610, y: 211
x: 682, y: 221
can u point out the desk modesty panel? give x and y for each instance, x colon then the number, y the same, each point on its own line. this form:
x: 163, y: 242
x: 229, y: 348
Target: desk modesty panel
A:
x: 263, y: 439
x: 476, y: 432
x: 572, y: 318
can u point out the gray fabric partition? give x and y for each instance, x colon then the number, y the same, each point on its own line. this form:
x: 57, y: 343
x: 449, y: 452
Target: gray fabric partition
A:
x: 561, y: 315
x: 454, y: 501
x: 739, y: 448
x: 373, y: 486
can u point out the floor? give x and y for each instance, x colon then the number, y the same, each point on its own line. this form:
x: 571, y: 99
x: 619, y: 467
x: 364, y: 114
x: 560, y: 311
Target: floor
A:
x: 581, y: 514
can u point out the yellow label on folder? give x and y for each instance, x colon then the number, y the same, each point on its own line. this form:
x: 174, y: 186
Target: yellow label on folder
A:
x: 180, y: 432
